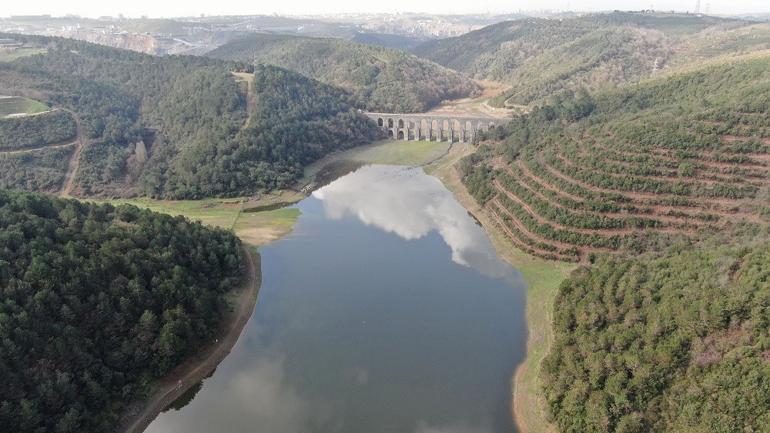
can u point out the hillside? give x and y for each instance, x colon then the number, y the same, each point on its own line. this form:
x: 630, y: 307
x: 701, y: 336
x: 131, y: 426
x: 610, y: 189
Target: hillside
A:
x: 96, y: 302
x: 661, y: 190
x: 671, y: 342
x: 173, y: 127
x: 381, y: 79
x: 541, y: 57
x: 679, y: 156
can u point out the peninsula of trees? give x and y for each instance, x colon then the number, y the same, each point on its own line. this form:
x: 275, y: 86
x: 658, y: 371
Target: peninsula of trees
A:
x: 98, y: 301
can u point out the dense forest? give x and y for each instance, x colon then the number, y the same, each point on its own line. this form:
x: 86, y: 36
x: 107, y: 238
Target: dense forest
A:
x: 380, y: 79
x: 96, y: 302
x: 542, y: 57
x: 677, y: 341
x: 206, y: 139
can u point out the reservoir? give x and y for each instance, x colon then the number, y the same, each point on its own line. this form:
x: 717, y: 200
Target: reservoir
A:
x: 386, y: 310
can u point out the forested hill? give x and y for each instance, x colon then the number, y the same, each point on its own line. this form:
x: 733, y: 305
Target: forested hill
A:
x: 678, y: 156
x: 175, y: 127
x: 96, y: 302
x: 661, y: 190
x: 541, y: 57
x: 677, y: 341
x: 382, y: 79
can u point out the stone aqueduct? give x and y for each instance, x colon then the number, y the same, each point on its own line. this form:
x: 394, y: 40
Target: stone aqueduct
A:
x: 432, y: 127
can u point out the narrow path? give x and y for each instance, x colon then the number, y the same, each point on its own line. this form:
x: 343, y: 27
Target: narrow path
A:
x: 35, y: 149
x: 197, y: 368
x: 74, y: 163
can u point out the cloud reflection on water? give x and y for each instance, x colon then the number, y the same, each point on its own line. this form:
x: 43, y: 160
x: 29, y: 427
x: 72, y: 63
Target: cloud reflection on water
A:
x: 410, y: 204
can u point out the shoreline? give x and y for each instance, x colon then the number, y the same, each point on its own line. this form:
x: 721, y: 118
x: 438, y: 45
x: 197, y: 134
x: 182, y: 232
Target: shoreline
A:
x: 197, y: 367
x: 543, y: 277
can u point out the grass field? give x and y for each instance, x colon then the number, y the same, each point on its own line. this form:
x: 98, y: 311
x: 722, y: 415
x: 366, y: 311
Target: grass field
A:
x: 16, y: 105
x: 9, y: 56
x: 392, y: 152
x: 254, y: 228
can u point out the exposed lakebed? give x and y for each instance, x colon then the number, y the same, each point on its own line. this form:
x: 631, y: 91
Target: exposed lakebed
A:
x: 385, y: 311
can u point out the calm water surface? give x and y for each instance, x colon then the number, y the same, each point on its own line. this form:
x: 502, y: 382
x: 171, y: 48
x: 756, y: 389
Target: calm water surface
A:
x: 385, y: 311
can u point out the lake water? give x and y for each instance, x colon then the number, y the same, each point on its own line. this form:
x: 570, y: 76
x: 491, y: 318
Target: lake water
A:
x: 385, y: 311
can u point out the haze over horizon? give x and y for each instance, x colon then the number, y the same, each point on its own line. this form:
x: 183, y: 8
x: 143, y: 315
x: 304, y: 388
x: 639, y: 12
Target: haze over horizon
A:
x: 148, y: 8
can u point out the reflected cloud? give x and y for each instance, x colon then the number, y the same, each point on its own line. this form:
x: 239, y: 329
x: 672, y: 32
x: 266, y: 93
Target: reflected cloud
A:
x: 411, y: 204
x: 259, y: 388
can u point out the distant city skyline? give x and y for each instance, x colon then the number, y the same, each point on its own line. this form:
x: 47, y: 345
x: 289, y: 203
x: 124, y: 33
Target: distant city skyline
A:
x: 155, y: 9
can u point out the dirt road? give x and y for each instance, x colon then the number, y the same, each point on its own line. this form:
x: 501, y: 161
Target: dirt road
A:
x: 74, y: 164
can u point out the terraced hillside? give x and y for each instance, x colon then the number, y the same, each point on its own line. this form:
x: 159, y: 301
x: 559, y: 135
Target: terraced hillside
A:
x: 381, y: 79
x: 541, y: 57
x: 678, y: 156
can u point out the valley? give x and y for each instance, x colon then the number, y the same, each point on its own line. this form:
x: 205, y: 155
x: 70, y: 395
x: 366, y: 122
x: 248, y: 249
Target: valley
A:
x: 544, y: 224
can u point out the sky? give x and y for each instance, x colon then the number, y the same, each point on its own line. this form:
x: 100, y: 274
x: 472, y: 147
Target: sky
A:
x: 175, y: 8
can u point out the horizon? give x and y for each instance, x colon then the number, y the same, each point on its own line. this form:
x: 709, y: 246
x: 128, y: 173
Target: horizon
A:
x: 145, y: 9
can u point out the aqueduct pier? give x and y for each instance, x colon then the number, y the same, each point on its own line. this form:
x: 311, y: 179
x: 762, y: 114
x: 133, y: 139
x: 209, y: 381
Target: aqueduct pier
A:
x: 433, y: 127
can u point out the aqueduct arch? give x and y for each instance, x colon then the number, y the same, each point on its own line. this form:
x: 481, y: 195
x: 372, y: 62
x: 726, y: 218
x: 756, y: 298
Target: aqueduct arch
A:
x: 432, y: 127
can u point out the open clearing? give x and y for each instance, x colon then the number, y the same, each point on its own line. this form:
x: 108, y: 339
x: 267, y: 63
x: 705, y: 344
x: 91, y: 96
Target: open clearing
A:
x: 477, y: 106
x: 11, y: 106
x: 393, y: 152
x: 254, y: 228
x: 9, y: 56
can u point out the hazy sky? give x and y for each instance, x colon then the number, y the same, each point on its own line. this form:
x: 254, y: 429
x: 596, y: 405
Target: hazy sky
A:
x: 155, y: 8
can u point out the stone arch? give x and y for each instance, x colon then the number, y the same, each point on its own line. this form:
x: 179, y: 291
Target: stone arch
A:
x: 390, y: 123
x: 380, y: 122
x: 390, y: 133
x: 424, y: 130
x: 400, y: 123
x: 400, y: 134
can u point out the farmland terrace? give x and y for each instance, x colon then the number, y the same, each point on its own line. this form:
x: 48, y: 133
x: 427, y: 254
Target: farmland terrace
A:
x: 573, y: 189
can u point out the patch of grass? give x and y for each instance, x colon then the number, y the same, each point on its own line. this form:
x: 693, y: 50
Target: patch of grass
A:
x: 17, y: 105
x: 254, y: 228
x: 389, y: 152
x: 215, y: 212
x: 260, y: 228
x: 243, y: 76
x: 9, y: 56
x: 402, y: 152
